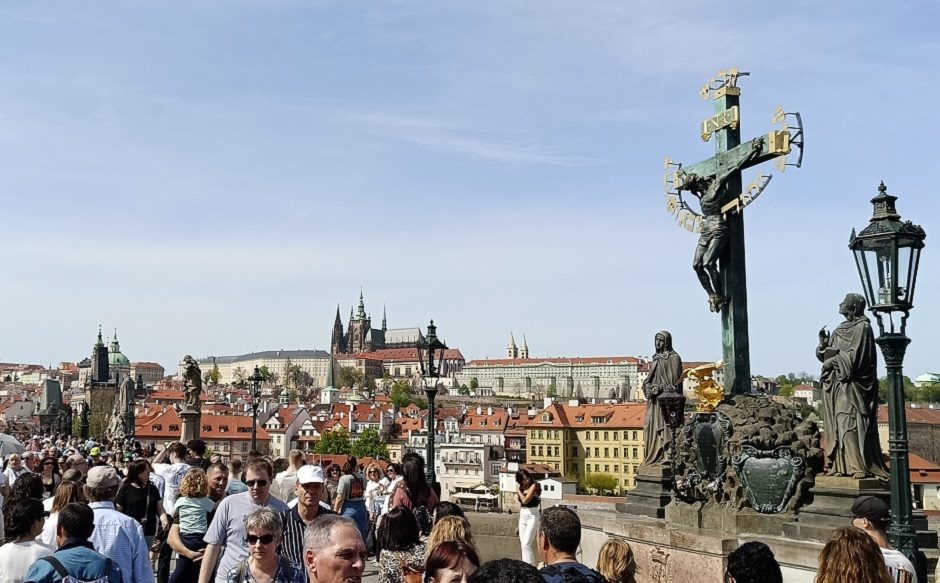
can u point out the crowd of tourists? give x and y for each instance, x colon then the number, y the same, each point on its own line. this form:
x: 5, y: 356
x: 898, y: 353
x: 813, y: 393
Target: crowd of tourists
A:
x: 81, y: 511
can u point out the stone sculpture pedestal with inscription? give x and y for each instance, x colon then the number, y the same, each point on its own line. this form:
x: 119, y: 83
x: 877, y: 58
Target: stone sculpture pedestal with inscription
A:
x: 652, y: 493
x: 190, y: 425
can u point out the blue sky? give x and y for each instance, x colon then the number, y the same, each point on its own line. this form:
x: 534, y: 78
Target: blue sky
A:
x: 214, y: 177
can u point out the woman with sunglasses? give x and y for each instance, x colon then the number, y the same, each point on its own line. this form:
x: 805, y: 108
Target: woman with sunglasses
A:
x: 333, y: 472
x: 264, y: 529
x: 50, y: 476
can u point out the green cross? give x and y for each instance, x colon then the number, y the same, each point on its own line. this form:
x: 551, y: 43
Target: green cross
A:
x: 731, y: 157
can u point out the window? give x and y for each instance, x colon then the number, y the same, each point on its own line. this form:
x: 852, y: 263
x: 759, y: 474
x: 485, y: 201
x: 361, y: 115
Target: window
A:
x: 540, y: 451
x: 606, y: 452
x: 606, y: 436
x: 606, y: 467
x: 587, y: 452
x: 597, y: 452
x: 615, y: 435
x: 635, y: 453
x: 596, y: 434
x: 574, y: 452
x: 616, y: 452
x: 634, y: 436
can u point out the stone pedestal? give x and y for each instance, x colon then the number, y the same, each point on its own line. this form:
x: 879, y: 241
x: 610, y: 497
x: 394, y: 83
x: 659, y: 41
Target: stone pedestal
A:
x: 652, y: 493
x: 832, y: 506
x: 730, y: 521
x: 190, y: 425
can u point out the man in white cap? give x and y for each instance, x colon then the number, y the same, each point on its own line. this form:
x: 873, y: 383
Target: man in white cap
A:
x: 116, y: 535
x: 308, y: 489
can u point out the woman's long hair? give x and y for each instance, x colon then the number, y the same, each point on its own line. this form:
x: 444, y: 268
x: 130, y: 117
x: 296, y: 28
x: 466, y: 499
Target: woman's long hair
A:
x: 852, y: 556
x: 412, y: 470
x: 66, y: 493
x: 399, y: 530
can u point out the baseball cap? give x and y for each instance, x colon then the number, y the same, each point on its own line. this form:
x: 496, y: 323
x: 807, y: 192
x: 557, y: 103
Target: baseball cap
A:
x: 96, y: 451
x: 871, y: 507
x: 310, y: 475
x: 102, y: 477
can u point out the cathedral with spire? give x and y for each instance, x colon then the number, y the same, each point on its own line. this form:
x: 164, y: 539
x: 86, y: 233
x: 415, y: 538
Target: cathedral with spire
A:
x: 513, y: 351
x: 359, y: 336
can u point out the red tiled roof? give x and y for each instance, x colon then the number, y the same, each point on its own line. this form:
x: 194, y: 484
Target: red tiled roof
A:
x: 558, y: 360
x: 922, y: 415
x: 619, y: 416
x: 237, y: 427
x: 166, y: 395
x: 405, y: 354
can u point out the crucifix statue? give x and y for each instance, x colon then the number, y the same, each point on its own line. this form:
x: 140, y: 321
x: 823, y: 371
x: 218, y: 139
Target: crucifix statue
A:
x: 719, y: 255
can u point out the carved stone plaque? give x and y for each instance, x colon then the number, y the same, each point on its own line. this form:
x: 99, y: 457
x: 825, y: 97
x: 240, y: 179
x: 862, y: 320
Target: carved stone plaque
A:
x: 768, y: 477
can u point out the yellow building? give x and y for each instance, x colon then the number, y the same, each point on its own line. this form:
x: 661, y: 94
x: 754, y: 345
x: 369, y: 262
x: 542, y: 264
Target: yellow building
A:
x: 579, y: 439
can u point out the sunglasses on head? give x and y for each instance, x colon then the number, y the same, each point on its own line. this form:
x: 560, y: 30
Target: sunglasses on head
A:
x: 259, y: 483
x: 264, y: 539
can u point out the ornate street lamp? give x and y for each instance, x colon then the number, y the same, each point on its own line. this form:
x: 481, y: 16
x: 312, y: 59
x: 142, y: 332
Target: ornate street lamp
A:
x: 887, y: 255
x: 255, y: 381
x: 431, y: 360
x: 672, y: 403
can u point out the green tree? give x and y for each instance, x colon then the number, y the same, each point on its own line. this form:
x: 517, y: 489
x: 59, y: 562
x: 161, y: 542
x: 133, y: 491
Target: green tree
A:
x: 420, y: 403
x: 369, y: 444
x: 215, y: 375
x: 552, y: 391
x: 463, y: 391
x: 401, y: 393
x: 909, y: 389
x: 334, y: 441
x: 600, y: 483
x: 786, y: 391
x: 474, y: 384
x: 239, y: 374
x: 349, y: 376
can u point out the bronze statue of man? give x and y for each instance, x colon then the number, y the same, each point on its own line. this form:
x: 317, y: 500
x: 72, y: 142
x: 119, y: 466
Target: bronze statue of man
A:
x: 665, y: 375
x: 712, y: 194
x: 850, y: 394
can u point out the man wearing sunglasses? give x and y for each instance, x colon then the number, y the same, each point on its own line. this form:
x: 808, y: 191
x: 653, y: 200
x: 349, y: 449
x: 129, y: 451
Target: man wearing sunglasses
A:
x: 226, y: 535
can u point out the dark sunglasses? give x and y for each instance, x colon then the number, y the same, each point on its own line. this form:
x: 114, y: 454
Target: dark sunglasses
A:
x: 260, y: 484
x: 265, y: 539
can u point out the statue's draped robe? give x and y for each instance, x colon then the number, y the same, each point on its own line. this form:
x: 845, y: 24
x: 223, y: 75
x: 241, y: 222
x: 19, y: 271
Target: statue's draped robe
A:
x: 850, y: 400
x: 665, y: 375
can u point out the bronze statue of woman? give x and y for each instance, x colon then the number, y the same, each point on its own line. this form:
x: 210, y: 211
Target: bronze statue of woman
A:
x: 665, y: 375
x: 849, y: 381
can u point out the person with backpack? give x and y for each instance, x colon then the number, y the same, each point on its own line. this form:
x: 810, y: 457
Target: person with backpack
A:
x: 76, y: 560
x: 415, y: 494
x: 350, y: 497
x: 558, y: 539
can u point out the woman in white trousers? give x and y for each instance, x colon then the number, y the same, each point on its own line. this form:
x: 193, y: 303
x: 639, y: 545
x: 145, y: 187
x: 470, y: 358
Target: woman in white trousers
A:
x: 529, y: 500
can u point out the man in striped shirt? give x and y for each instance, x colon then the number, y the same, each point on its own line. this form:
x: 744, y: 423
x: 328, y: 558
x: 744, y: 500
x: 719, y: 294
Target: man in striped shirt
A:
x: 308, y: 489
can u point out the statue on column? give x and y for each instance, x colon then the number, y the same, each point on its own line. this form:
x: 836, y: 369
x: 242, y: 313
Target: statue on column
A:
x: 665, y: 375
x: 192, y: 383
x: 849, y: 382
x: 123, y: 413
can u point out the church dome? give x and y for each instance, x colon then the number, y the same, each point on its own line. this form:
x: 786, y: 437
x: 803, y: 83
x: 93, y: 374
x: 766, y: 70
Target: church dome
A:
x: 118, y: 359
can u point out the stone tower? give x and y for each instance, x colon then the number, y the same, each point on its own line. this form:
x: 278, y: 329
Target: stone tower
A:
x: 358, y: 330
x: 337, y: 342
x: 524, y: 353
x: 100, y: 371
x: 512, y: 351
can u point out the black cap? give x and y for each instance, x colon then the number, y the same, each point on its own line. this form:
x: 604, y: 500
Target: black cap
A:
x: 871, y: 507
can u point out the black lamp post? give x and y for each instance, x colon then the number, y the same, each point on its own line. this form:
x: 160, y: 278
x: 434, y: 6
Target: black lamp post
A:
x: 672, y: 403
x: 255, y: 381
x: 431, y: 360
x: 887, y: 255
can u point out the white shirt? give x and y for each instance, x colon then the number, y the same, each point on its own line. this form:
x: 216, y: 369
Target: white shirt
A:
x: 390, y: 489
x: 11, y: 475
x: 902, y: 571
x: 48, y: 534
x: 17, y: 558
x: 284, y: 485
x: 172, y: 475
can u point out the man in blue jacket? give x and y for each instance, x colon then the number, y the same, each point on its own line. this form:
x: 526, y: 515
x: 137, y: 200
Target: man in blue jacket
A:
x: 76, y: 557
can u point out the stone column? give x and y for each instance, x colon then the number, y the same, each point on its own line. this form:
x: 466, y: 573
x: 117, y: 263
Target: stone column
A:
x: 190, y: 425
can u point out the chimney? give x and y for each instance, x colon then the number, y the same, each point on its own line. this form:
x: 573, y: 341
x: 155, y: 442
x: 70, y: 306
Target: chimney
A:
x: 489, y: 411
x: 479, y: 410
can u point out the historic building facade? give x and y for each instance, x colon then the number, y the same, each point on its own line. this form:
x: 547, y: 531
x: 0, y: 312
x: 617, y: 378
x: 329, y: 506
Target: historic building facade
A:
x: 598, y: 377
x: 239, y: 368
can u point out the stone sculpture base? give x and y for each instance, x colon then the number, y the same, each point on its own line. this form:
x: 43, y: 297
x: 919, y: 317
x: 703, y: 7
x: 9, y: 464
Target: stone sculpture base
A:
x: 726, y: 520
x: 652, y: 493
x: 832, y: 506
x: 190, y: 425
